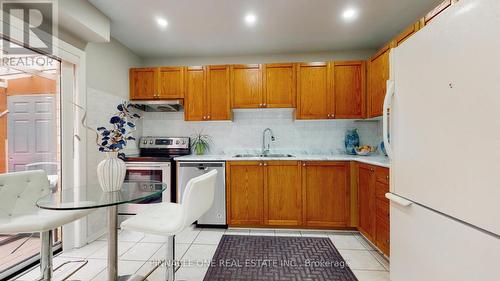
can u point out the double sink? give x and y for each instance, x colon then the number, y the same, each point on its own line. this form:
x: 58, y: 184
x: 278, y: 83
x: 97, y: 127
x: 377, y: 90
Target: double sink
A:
x: 265, y: 155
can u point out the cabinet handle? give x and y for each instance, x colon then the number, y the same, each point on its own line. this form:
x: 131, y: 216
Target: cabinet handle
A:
x: 204, y: 117
x: 260, y: 164
x: 260, y: 104
x: 387, y: 177
x: 208, y: 117
x: 264, y: 104
x: 265, y: 164
x: 303, y: 164
x: 333, y: 115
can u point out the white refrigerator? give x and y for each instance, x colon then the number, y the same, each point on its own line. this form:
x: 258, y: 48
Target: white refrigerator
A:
x: 442, y: 132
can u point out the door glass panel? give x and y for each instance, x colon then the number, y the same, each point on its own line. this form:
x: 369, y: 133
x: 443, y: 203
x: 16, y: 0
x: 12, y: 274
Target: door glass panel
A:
x: 29, y: 138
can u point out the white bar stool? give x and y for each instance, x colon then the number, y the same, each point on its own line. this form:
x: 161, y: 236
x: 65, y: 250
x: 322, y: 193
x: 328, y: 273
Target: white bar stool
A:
x: 169, y: 219
x: 19, y: 192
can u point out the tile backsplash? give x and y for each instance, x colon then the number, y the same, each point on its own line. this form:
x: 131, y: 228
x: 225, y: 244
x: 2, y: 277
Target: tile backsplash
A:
x: 244, y: 133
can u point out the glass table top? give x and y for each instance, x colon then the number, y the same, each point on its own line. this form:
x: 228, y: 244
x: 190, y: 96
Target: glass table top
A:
x: 78, y: 199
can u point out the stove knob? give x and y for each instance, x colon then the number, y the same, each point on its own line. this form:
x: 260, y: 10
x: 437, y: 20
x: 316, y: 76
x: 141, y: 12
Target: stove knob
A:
x: 151, y: 142
x: 145, y: 142
x: 177, y: 142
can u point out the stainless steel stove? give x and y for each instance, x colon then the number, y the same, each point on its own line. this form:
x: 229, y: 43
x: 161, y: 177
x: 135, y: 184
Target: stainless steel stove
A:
x: 154, y: 163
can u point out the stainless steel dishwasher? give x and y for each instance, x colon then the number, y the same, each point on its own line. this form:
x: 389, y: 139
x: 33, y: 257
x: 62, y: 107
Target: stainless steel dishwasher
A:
x: 216, y: 216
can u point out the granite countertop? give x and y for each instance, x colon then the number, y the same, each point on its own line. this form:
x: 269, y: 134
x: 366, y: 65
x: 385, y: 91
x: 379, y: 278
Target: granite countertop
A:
x: 378, y: 160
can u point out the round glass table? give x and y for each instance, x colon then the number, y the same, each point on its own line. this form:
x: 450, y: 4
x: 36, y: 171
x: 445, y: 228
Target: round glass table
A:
x: 79, y: 199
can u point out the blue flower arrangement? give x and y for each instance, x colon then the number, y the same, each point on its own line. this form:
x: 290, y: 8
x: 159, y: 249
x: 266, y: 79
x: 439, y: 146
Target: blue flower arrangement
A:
x: 122, y: 125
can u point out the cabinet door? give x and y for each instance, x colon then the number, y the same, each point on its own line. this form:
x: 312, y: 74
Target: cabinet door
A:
x: 282, y: 193
x: 378, y: 73
x: 143, y: 83
x: 280, y: 84
x: 218, y: 92
x: 171, y: 81
x: 314, y: 93
x: 349, y: 89
x: 407, y: 33
x: 195, y: 97
x: 436, y: 11
x: 326, y: 194
x: 366, y: 198
x: 246, y: 86
x: 245, y: 193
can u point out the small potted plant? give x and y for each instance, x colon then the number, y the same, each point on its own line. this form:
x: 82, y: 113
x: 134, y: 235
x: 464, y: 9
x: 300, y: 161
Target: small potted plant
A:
x: 112, y: 139
x: 200, y: 143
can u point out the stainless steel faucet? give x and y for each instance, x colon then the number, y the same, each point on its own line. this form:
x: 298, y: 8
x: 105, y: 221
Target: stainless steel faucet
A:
x: 266, y: 147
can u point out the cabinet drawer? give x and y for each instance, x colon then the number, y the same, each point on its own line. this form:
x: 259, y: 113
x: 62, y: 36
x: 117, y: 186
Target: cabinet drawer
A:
x: 382, y: 210
x: 382, y: 237
x: 382, y: 175
x: 380, y: 190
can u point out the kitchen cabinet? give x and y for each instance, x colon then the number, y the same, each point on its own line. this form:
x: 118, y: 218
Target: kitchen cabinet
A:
x: 407, y: 33
x: 143, y: 83
x: 373, y: 207
x: 245, y: 193
x: 436, y: 11
x: 218, y: 92
x: 171, y: 82
x: 246, y: 86
x: 280, y: 85
x: 366, y: 200
x: 263, y: 193
x: 195, y: 108
x: 282, y: 193
x: 326, y: 194
x: 349, y: 89
x: 378, y: 74
x: 207, y: 95
x: 314, y: 91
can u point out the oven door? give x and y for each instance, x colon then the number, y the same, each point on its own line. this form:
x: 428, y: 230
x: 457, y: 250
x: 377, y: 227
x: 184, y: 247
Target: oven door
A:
x: 147, y: 171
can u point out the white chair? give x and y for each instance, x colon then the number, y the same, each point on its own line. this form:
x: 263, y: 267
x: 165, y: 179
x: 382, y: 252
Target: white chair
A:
x: 19, y: 192
x: 169, y: 219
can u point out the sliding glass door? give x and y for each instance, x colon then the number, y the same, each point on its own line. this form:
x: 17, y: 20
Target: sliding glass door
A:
x: 30, y: 126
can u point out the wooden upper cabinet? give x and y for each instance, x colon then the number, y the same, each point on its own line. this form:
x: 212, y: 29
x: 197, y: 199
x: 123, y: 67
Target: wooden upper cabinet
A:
x: 207, y: 93
x: 283, y: 193
x: 245, y: 193
x: 314, y: 91
x: 195, y: 108
x: 366, y: 200
x: 171, y: 82
x: 349, y: 89
x: 280, y: 85
x: 436, y: 11
x: 407, y: 33
x: 326, y: 194
x: 378, y: 74
x: 143, y: 83
x: 246, y: 86
x: 218, y: 92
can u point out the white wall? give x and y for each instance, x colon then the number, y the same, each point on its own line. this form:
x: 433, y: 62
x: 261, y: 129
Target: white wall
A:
x: 299, y: 57
x: 244, y: 134
x: 107, y: 66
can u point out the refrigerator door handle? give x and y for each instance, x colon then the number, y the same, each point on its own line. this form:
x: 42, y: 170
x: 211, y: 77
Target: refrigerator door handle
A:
x: 398, y: 200
x: 385, y: 118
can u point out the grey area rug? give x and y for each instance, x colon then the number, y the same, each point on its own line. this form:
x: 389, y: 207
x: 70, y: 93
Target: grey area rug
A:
x: 262, y: 258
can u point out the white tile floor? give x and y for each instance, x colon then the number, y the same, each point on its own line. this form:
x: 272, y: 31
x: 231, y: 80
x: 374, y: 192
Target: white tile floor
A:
x: 139, y: 251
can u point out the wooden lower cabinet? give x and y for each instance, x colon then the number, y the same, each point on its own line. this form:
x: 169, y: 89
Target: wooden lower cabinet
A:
x: 282, y: 193
x: 288, y: 194
x: 326, y: 193
x: 373, y: 207
x: 245, y: 193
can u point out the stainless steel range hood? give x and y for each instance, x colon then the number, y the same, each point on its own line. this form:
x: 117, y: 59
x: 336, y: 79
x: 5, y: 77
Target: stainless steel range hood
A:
x: 158, y: 105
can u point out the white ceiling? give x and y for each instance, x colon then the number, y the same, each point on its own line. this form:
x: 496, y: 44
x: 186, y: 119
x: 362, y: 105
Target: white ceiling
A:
x: 217, y: 28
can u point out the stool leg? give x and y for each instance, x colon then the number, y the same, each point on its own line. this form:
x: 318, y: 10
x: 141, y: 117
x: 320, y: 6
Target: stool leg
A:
x: 46, y: 255
x: 170, y: 259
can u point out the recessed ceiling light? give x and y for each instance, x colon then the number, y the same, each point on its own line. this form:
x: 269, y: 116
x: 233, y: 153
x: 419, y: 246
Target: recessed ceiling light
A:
x: 250, y: 19
x: 350, y: 14
x: 162, y: 22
